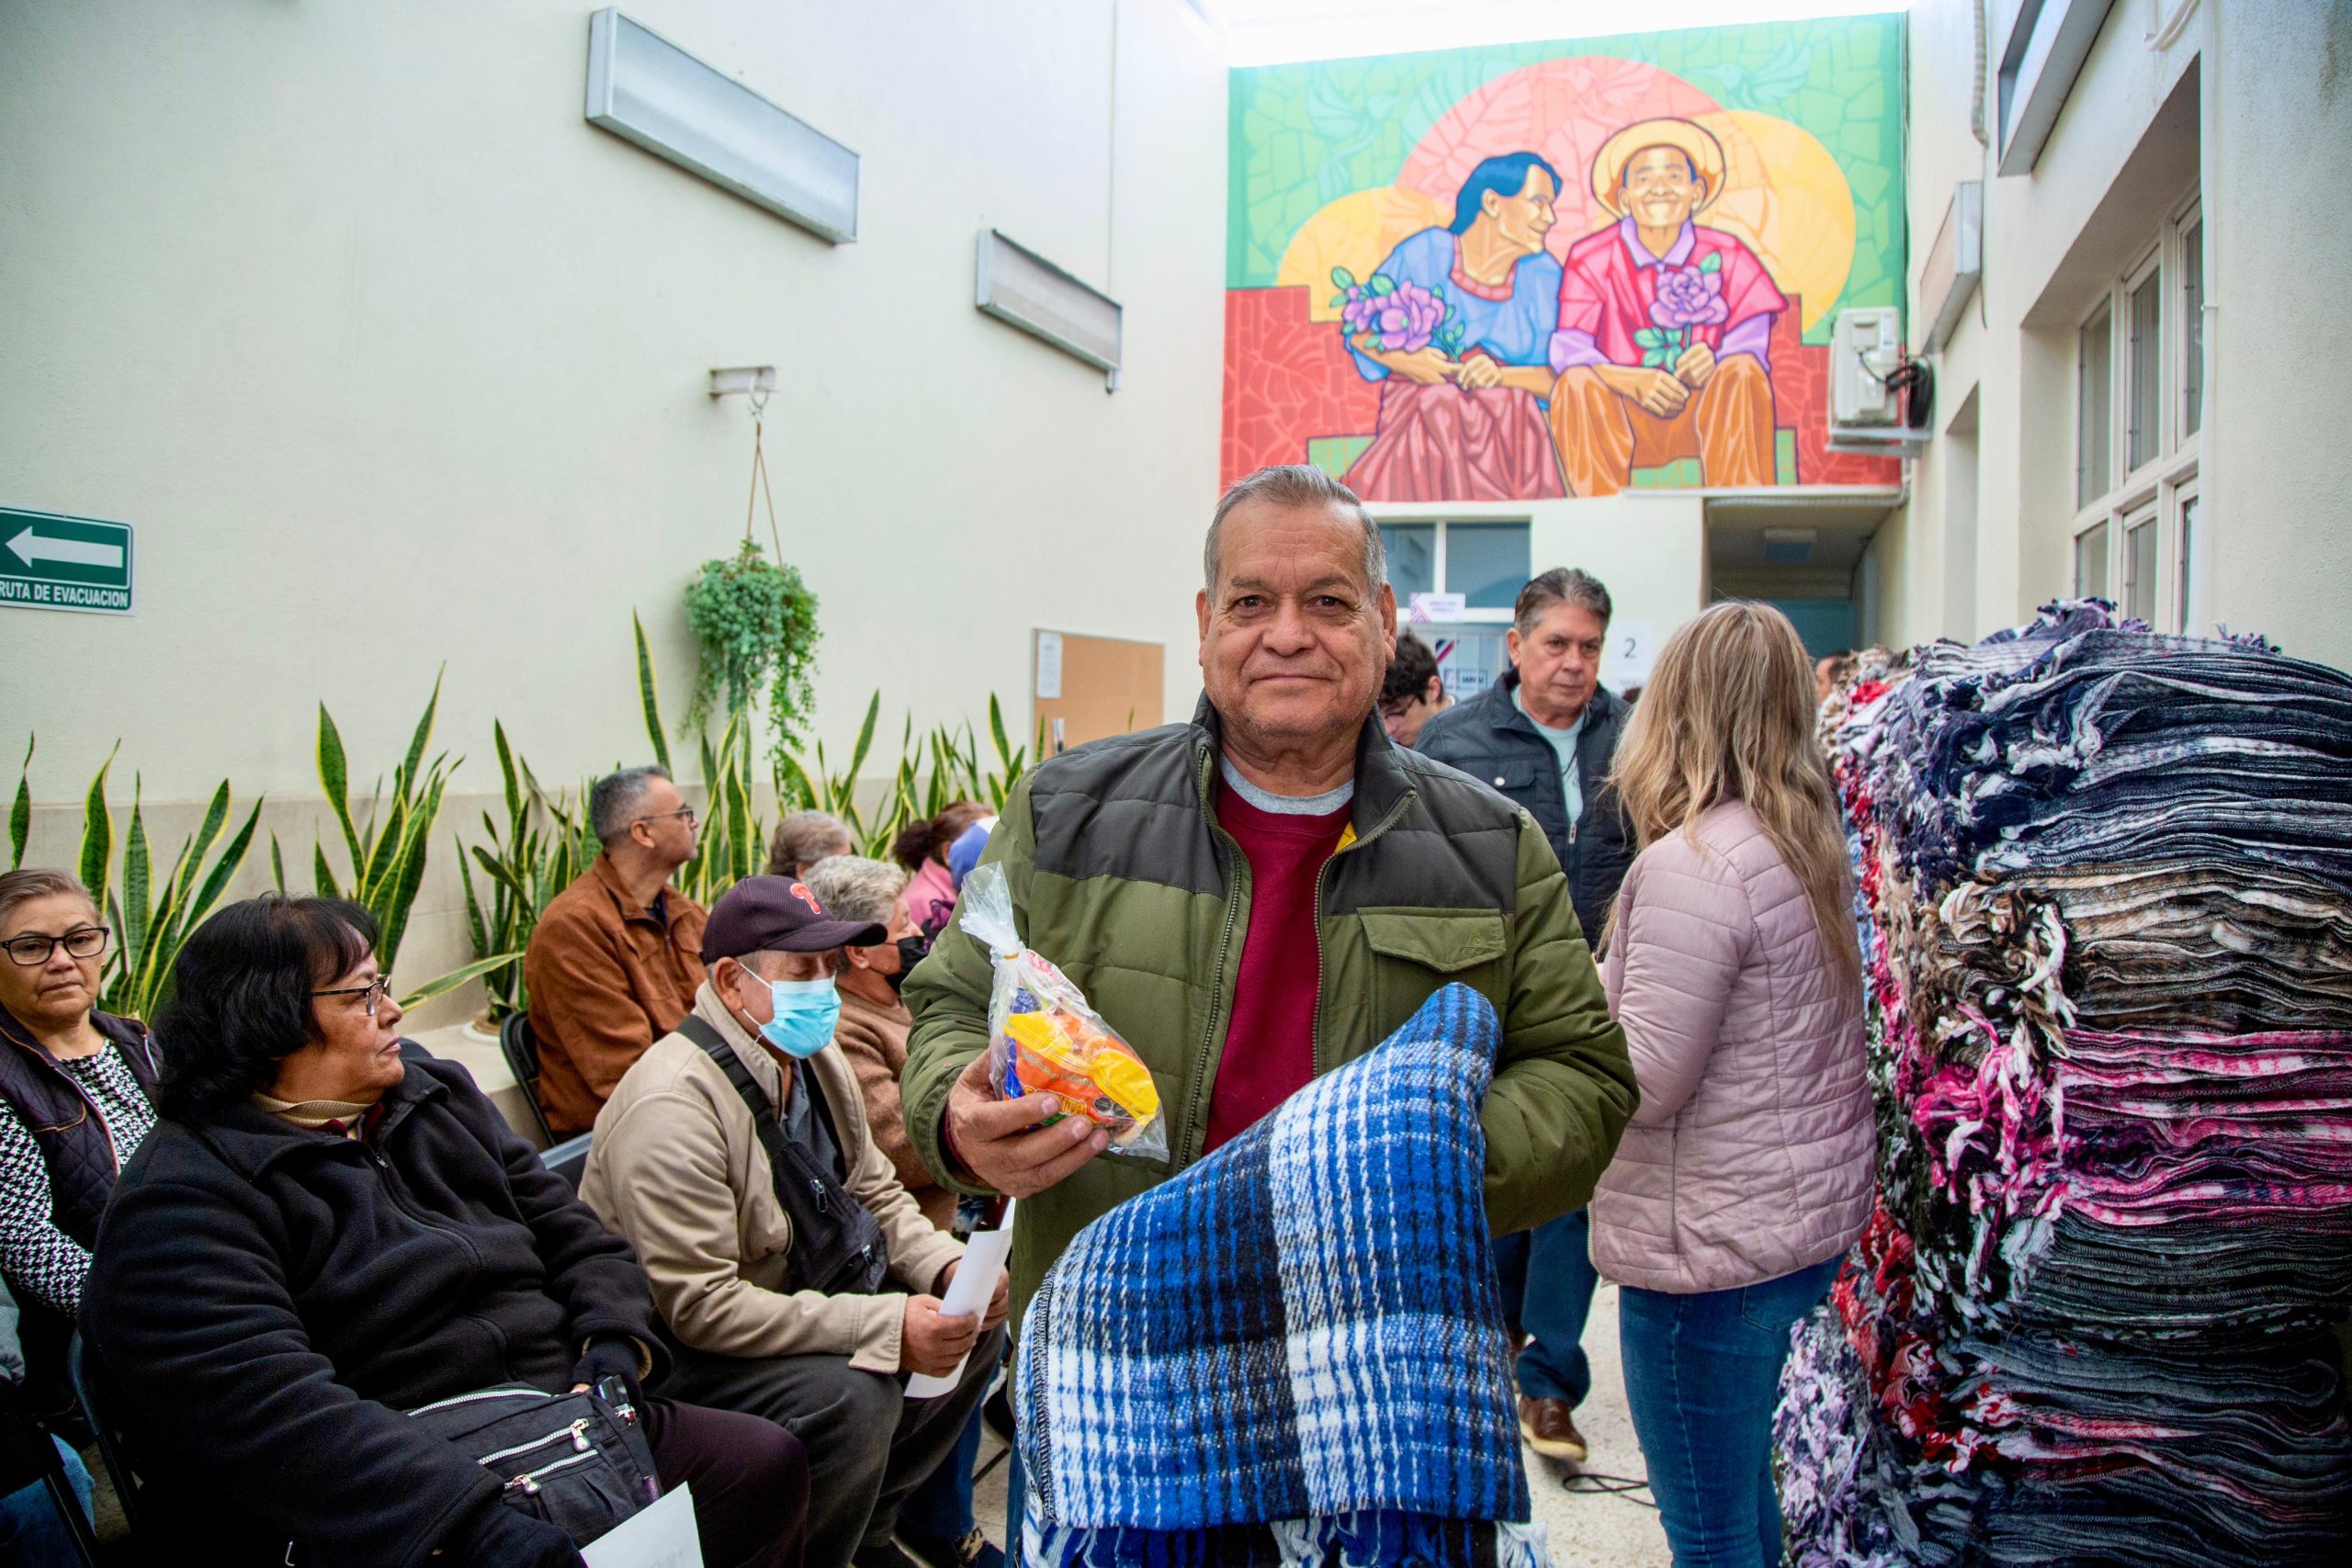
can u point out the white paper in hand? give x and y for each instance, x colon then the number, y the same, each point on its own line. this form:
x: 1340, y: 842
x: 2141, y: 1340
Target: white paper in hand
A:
x: 662, y: 1536
x: 968, y: 1293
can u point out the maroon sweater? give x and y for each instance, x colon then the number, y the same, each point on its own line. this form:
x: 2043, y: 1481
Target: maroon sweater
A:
x: 1270, y: 1044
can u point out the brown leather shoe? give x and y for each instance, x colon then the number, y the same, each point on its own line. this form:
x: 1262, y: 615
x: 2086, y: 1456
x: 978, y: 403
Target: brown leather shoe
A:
x: 1550, y: 1429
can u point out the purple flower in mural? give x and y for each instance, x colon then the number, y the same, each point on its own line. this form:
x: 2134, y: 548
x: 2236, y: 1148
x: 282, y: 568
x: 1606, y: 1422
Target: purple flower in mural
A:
x: 1400, y: 317
x: 1688, y: 296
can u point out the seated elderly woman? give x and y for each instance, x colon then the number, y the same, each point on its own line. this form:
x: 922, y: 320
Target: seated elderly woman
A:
x: 329, y: 1228
x: 922, y: 846
x: 803, y: 838
x: 74, y: 1103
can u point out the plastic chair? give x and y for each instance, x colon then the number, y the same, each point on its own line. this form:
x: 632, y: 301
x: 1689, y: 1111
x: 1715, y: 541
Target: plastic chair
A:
x: 522, y: 1054
x: 89, y: 1389
x: 568, y: 1159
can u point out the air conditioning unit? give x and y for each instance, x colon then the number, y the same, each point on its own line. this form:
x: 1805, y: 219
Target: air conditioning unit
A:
x: 1865, y: 348
x: 1878, y: 441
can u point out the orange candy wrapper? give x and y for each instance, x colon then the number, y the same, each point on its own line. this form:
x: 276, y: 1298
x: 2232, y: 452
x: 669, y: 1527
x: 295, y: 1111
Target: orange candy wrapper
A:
x: 1044, y: 1039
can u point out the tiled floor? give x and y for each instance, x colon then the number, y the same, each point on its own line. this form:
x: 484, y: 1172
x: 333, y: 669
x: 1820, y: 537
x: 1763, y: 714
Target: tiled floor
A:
x: 1587, y: 1531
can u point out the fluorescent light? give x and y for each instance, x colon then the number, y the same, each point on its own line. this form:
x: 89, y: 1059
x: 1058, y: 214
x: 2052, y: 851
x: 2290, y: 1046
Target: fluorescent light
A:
x: 1023, y: 290
x: 645, y: 89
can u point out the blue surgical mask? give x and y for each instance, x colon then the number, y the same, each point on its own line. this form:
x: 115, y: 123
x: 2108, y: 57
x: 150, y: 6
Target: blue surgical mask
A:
x: 806, y: 1012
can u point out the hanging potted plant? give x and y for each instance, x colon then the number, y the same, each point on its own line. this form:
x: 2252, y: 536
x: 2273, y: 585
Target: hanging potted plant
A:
x: 755, y: 624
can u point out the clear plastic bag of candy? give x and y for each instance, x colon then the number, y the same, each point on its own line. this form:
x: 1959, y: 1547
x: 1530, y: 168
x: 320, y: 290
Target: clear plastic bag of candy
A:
x: 1043, y: 1038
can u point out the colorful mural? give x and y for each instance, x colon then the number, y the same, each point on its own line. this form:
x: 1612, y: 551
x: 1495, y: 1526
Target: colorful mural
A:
x: 1508, y: 273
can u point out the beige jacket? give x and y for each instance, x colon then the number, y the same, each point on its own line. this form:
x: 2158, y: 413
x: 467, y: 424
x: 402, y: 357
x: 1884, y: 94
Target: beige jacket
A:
x: 1749, y: 1157
x: 676, y: 1167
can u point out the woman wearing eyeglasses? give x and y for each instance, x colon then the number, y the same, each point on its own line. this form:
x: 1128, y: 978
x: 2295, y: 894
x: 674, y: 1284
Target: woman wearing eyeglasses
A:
x: 331, y: 1228
x: 75, y: 1100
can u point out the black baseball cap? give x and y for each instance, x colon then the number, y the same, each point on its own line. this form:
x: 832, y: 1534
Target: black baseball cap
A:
x: 778, y: 914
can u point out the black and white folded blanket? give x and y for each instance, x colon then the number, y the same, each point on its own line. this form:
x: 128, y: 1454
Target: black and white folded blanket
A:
x: 1293, y: 1352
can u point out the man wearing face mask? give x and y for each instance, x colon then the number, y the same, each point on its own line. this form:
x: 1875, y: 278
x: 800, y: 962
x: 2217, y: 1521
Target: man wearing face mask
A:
x: 796, y: 1276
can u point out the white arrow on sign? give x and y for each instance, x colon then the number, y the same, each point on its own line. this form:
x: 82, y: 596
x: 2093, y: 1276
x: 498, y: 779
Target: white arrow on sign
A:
x: 29, y: 547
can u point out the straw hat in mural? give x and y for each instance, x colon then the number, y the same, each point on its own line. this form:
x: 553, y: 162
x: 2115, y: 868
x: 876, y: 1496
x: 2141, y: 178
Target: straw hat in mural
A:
x: 1695, y: 142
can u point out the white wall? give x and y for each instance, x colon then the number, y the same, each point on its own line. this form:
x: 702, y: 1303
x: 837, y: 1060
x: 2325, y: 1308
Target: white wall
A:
x: 396, y: 363
x: 2274, y: 463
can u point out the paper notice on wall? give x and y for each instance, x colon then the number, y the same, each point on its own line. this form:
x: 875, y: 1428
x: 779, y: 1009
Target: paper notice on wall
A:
x: 662, y: 1536
x: 1633, y: 649
x: 968, y: 1294
x: 1423, y: 608
x: 1049, y: 666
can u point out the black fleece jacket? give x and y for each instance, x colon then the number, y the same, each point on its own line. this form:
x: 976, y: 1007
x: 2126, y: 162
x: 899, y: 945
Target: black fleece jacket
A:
x: 265, y: 1301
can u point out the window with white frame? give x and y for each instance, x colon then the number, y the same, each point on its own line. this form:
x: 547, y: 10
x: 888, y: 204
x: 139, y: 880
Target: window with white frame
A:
x: 2139, y: 419
x: 1487, y: 562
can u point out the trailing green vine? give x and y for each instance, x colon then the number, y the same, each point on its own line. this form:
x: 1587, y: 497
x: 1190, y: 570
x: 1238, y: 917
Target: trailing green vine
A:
x: 755, y: 623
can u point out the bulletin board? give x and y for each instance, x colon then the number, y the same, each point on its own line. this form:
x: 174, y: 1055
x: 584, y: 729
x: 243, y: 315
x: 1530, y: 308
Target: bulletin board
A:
x: 1094, y: 685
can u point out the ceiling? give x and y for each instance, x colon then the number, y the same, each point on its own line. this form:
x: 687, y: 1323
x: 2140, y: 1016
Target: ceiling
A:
x: 1841, y: 525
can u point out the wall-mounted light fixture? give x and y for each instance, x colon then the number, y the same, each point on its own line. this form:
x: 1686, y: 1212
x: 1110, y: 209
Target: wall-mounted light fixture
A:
x: 1023, y: 290
x: 645, y: 89
x: 743, y: 379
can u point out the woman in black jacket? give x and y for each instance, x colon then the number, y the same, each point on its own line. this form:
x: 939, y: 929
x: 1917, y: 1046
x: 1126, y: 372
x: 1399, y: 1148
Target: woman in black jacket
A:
x: 329, y: 1227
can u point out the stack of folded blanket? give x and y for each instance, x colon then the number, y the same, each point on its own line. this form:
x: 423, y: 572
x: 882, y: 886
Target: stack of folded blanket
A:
x: 2106, y: 890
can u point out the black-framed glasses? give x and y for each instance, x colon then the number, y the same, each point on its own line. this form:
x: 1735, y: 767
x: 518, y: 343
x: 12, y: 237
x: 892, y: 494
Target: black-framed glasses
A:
x: 685, y: 811
x: 373, y: 991
x: 32, y: 949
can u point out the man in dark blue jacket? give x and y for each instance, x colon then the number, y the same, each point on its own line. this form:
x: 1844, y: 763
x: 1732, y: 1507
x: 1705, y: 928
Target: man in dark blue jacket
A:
x: 1545, y: 736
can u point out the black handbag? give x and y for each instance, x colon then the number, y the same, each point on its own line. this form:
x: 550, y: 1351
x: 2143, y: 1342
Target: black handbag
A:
x: 578, y: 1461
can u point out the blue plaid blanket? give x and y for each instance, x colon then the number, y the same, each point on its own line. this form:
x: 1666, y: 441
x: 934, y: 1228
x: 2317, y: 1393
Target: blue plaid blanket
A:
x: 1293, y: 1353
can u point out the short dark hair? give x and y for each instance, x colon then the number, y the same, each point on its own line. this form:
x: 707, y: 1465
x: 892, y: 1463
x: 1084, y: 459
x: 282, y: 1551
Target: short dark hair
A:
x: 1410, y: 671
x: 1505, y: 176
x: 930, y: 837
x: 1561, y: 585
x: 612, y: 802
x: 241, y: 996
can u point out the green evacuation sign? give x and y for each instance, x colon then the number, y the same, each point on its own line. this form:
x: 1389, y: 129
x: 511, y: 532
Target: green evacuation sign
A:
x: 49, y: 562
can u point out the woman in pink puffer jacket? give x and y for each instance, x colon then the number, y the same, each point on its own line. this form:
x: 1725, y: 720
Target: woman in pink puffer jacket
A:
x: 1732, y: 966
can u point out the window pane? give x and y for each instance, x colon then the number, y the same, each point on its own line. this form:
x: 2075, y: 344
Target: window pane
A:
x: 2192, y: 330
x: 2188, y: 508
x: 2143, y: 441
x: 2140, y: 568
x: 2094, y: 411
x: 2090, y: 563
x: 1412, y: 557
x: 1487, y: 562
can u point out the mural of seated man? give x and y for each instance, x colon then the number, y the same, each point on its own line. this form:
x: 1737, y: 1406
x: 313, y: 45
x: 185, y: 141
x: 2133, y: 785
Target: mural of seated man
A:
x: 1458, y: 323
x: 1665, y: 326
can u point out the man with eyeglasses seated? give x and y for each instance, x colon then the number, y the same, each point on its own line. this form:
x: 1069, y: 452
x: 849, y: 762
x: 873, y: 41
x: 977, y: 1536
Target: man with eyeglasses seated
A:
x: 76, y: 1091
x: 615, y: 960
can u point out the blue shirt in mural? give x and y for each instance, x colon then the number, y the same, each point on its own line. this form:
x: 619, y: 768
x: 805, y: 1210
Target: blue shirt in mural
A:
x: 1515, y: 327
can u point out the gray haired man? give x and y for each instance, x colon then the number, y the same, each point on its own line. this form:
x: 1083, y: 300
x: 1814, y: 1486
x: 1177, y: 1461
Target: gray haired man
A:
x: 1543, y: 735
x: 615, y: 962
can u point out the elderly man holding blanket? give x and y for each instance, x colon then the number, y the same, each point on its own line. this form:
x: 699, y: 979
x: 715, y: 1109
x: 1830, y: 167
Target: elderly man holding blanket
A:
x: 1260, y: 896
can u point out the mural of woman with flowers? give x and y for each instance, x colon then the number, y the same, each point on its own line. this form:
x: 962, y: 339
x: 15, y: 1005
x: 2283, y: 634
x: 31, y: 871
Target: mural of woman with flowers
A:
x: 1663, y: 346
x: 1457, y: 325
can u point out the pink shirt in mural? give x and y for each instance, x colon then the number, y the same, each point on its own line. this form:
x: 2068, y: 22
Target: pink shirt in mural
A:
x: 1611, y: 281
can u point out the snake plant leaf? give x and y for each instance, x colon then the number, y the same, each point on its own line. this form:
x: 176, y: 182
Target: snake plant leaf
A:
x: 136, y: 872
x: 441, y: 985
x: 334, y: 777
x: 20, y: 815
x: 649, y: 695
x: 97, y: 830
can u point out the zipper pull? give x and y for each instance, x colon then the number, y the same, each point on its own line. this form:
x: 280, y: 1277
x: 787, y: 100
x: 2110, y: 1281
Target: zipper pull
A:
x: 580, y: 1435
x: 526, y: 1484
x: 824, y: 1206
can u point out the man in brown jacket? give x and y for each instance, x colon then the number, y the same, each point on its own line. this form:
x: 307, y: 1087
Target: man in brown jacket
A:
x: 796, y: 1277
x: 615, y: 960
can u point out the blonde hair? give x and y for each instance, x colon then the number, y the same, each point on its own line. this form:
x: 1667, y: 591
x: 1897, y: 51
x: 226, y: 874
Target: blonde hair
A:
x: 1728, y: 715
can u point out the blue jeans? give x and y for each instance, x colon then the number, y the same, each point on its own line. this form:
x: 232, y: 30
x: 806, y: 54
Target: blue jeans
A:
x: 940, y: 1507
x: 30, y: 1532
x: 1702, y: 1374
x: 1547, y: 1279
